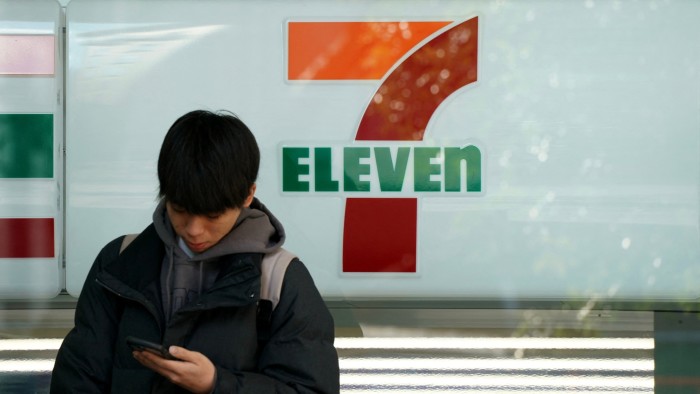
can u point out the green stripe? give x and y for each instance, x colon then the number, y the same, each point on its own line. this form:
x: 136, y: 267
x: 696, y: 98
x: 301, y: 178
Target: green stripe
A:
x: 26, y: 145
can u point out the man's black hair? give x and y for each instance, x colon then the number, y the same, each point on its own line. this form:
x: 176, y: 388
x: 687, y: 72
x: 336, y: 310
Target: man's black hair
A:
x: 208, y: 162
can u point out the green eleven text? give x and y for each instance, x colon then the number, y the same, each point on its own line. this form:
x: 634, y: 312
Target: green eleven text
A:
x: 433, y: 169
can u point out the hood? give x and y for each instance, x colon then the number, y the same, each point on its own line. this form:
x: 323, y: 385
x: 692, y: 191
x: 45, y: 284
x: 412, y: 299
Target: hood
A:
x: 257, y: 230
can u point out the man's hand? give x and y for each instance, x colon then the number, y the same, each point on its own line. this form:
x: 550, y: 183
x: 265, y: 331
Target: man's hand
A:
x: 192, y: 370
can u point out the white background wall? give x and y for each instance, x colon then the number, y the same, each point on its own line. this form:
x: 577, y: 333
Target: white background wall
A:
x: 587, y: 113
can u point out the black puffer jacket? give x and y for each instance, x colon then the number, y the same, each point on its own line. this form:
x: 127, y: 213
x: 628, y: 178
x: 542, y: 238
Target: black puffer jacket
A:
x: 122, y: 297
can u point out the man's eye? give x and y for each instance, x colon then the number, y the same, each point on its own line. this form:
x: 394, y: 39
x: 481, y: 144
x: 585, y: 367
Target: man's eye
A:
x: 214, y: 216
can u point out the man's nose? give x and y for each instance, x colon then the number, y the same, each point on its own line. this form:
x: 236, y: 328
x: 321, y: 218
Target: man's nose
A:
x: 195, y: 225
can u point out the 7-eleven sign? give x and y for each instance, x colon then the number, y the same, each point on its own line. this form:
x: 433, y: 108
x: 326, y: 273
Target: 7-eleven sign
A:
x: 419, y: 64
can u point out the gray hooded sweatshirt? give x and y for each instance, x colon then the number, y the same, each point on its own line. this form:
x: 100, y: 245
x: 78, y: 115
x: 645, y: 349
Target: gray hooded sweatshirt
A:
x: 185, y: 275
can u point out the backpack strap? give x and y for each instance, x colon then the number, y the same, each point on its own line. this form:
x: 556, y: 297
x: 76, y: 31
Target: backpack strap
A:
x: 126, y: 241
x: 272, y: 269
x: 274, y: 266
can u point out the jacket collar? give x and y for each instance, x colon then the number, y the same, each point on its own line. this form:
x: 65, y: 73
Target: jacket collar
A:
x: 135, y: 274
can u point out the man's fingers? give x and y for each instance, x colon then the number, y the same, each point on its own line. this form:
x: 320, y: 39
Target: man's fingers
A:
x: 192, y: 370
x: 183, y: 354
x: 155, y: 362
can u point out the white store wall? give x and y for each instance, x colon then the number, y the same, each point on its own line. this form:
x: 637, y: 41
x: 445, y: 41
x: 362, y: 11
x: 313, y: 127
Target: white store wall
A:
x: 587, y: 116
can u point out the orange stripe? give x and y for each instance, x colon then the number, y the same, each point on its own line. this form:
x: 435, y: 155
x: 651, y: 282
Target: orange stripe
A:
x: 351, y: 50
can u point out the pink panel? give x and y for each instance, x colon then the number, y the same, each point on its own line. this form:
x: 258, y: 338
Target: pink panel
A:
x: 27, y: 54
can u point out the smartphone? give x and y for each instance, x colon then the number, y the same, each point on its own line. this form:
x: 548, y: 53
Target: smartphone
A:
x: 142, y: 344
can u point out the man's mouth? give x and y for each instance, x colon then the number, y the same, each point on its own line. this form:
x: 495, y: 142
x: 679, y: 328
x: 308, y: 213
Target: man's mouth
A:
x: 196, y: 247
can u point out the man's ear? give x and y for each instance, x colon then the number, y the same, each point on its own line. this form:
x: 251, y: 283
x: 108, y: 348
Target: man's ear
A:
x: 249, y: 199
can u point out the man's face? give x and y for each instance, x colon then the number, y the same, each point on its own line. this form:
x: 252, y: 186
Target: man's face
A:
x: 201, y: 232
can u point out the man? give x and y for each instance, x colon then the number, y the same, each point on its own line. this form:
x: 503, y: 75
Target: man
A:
x: 191, y: 281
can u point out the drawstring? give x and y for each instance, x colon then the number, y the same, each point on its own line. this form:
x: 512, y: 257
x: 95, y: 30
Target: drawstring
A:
x: 201, y: 275
x: 168, y: 284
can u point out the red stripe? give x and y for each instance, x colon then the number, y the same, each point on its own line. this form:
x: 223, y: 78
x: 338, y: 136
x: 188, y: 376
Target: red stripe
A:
x: 367, y: 247
x: 27, y: 238
x: 402, y: 107
x: 380, y: 235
